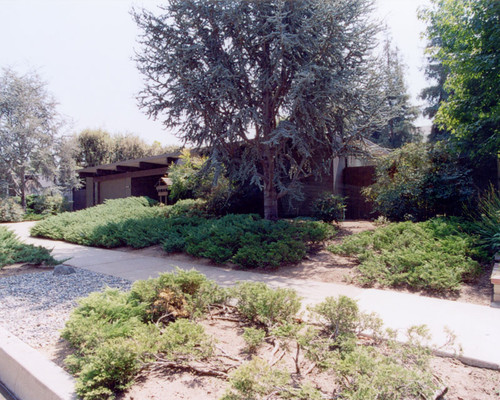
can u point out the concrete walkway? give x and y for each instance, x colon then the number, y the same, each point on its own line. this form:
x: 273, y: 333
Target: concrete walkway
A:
x: 477, y: 328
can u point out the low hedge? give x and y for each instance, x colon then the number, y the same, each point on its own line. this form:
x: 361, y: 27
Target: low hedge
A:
x: 437, y: 254
x: 12, y: 251
x: 244, y: 239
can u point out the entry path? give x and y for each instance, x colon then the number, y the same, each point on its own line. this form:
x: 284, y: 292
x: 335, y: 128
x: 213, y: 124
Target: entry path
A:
x: 477, y: 328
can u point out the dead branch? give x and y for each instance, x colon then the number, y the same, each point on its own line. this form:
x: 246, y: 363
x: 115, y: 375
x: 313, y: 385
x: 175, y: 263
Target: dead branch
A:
x: 278, y: 358
x: 296, y: 358
x: 192, y: 367
x: 228, y: 356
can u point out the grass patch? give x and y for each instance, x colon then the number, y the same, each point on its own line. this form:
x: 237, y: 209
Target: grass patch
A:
x: 437, y: 254
x: 244, y: 239
x: 12, y: 251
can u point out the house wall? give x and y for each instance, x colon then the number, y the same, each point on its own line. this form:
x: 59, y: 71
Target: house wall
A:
x: 114, y: 189
x: 145, y: 186
x: 333, y: 182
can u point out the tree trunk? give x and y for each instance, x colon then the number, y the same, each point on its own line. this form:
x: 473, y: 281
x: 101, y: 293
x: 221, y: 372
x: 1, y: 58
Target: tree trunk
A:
x: 270, y: 202
x: 23, y: 189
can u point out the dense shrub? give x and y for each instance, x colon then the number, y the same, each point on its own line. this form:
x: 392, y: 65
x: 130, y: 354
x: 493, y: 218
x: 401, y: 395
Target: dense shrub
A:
x: 97, y: 226
x: 263, y: 305
x: 487, y: 220
x: 417, y: 182
x: 329, y: 207
x: 248, y: 240
x: 46, y: 204
x: 436, y: 255
x: 244, y: 239
x: 114, y: 338
x: 10, y: 210
x: 12, y: 251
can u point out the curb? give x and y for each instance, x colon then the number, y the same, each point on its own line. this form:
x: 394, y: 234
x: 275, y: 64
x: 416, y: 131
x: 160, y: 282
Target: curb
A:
x: 29, y: 375
x: 472, y: 362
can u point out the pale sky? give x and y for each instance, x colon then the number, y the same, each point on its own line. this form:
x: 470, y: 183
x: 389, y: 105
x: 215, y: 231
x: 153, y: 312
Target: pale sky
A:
x: 83, y: 50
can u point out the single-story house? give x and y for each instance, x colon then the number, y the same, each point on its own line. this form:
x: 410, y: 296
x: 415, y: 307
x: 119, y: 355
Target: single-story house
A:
x: 148, y: 177
x: 137, y: 177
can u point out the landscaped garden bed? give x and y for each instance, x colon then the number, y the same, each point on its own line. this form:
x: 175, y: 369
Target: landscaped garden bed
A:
x: 171, y: 324
x: 243, y: 239
x: 436, y: 255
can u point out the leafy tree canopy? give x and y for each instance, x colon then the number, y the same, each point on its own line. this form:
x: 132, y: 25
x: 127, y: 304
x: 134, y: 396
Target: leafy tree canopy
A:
x: 275, y: 88
x: 28, y: 127
x: 97, y: 147
x: 466, y: 36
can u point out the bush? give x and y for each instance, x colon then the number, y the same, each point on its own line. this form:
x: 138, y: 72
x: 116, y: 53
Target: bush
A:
x: 113, y: 337
x: 187, y: 208
x: 265, y: 306
x: 245, y: 239
x: 255, y: 380
x: 106, y: 225
x: 434, y: 255
x: 329, y: 207
x: 253, y: 337
x: 487, y: 220
x: 46, y: 204
x: 10, y: 210
x: 178, y: 294
x: 14, y: 251
x: 417, y: 182
x: 248, y: 240
x: 340, y: 314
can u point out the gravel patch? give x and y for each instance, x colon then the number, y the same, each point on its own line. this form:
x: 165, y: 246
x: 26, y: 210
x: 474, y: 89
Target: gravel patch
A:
x: 35, y: 307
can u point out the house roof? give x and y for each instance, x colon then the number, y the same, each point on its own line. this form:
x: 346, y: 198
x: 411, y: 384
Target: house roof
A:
x: 138, y: 164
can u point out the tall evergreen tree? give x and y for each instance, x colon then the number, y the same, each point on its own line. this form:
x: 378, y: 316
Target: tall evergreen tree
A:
x: 275, y: 88
x: 399, y: 129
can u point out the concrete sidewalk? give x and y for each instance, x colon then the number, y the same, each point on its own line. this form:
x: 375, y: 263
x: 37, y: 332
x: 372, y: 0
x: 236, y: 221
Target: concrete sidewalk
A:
x: 477, y: 328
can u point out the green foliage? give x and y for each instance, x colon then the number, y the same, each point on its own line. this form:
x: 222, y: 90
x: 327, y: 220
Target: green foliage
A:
x: 464, y: 36
x: 246, y: 240
x: 265, y: 306
x: 187, y: 208
x: 329, y: 207
x: 107, y: 225
x: 188, y: 180
x: 253, y: 337
x: 341, y: 315
x: 46, y: 204
x: 366, y: 373
x: 434, y: 255
x: 113, y: 336
x: 179, y: 294
x: 185, y: 340
x: 255, y: 380
x: 12, y: 251
x: 10, y: 210
x: 487, y: 220
x: 417, y: 182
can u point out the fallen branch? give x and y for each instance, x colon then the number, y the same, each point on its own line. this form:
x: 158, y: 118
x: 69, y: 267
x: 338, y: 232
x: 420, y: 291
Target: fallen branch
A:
x: 228, y: 356
x: 199, y: 369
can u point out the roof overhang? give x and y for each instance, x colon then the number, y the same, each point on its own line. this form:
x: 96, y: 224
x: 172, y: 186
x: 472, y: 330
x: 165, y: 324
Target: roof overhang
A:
x: 138, y: 164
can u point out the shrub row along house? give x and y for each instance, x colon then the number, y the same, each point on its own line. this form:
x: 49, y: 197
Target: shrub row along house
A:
x: 148, y: 177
